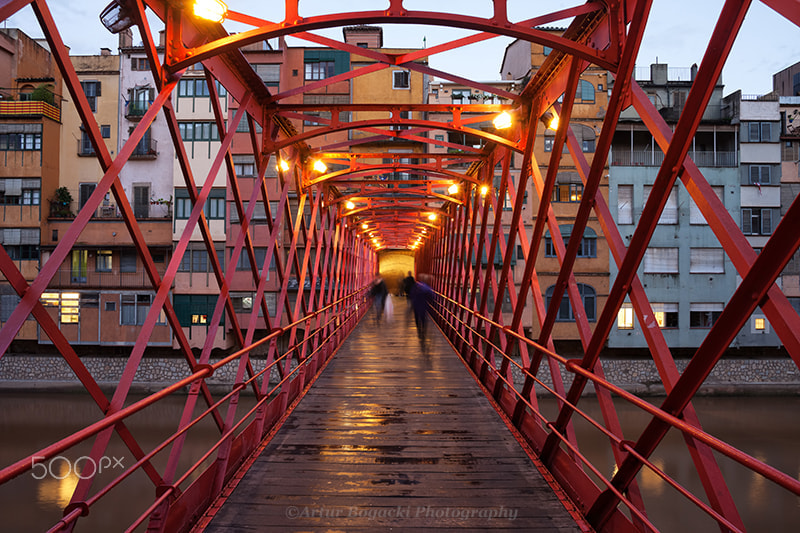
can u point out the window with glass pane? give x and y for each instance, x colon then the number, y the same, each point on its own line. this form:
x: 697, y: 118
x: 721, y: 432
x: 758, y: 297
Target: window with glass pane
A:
x: 588, y: 295
x: 567, y: 192
x: 695, y: 215
x: 666, y: 314
x: 70, y: 310
x: 127, y: 261
x: 625, y: 316
x: 704, y: 315
x: 103, y: 261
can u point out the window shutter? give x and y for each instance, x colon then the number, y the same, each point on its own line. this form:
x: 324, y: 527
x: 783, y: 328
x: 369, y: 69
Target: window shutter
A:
x: 706, y: 260
x: 754, y: 130
x: 14, y: 187
x: 747, y: 221
x: 625, y: 204
x: 765, y: 175
x: 11, y: 236
x: 765, y: 132
x: 29, y: 236
x: 695, y: 215
x: 661, y: 260
x: 766, y: 221
x: 670, y: 213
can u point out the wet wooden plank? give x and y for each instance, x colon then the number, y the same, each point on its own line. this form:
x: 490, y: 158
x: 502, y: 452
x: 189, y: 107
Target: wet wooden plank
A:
x: 394, y: 434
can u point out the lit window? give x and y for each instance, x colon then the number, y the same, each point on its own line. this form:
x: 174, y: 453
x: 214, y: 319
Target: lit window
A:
x: 760, y: 324
x: 69, y: 308
x: 625, y: 317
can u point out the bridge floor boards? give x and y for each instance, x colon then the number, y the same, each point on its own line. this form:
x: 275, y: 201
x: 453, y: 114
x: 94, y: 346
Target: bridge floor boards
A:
x: 393, y: 435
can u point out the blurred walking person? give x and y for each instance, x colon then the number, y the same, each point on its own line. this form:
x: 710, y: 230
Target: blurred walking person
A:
x: 421, y: 298
x: 379, y: 293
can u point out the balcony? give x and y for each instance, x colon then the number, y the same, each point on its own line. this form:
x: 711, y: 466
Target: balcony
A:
x: 29, y: 108
x: 66, y: 277
x: 85, y: 148
x: 649, y: 158
x: 134, y: 111
x: 146, y: 149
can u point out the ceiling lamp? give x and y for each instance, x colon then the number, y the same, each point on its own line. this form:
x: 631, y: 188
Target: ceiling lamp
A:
x: 319, y: 166
x: 484, y: 190
x: 502, y: 121
x: 213, y: 10
x: 349, y: 205
x: 432, y: 217
x: 550, y: 120
x: 283, y: 166
x: 453, y: 189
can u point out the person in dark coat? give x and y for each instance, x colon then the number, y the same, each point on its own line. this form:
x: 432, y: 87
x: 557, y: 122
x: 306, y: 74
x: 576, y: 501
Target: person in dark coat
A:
x: 378, y: 293
x: 408, y: 284
x: 421, y: 298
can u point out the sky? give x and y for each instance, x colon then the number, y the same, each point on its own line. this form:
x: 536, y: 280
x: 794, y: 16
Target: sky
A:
x: 677, y: 34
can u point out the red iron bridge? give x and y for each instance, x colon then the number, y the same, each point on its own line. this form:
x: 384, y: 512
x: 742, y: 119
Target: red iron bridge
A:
x: 333, y: 419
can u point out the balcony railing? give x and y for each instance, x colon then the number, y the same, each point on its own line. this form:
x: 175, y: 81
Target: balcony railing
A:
x: 88, y: 278
x: 146, y: 149
x: 29, y: 108
x: 136, y: 110
x: 85, y: 149
x: 648, y: 158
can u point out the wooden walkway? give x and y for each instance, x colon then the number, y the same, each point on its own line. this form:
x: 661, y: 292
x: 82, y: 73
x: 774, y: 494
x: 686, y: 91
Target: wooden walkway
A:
x: 395, y: 434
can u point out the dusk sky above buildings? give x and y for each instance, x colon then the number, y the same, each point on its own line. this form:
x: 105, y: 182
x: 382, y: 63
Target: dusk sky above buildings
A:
x: 677, y: 34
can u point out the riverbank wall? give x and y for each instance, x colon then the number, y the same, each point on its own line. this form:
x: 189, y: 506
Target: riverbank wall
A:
x: 775, y: 376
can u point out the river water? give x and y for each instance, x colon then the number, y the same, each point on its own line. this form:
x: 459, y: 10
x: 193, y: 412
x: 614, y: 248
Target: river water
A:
x: 767, y: 428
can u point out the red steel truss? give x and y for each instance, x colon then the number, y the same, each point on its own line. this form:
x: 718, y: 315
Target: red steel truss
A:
x: 328, y: 227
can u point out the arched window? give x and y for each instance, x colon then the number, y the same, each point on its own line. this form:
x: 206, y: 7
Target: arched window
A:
x: 589, y: 297
x: 588, y: 247
x: 585, y: 136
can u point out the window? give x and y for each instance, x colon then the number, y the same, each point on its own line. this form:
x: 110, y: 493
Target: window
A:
x: 92, y: 90
x: 195, y: 259
x: 706, y: 261
x: 140, y: 63
x: 404, y: 115
x: 31, y: 196
x: 670, y: 213
x: 759, y: 221
x: 460, y: 96
x: 244, y: 259
x: 127, y: 261
x: 759, y: 132
x: 105, y: 131
x: 625, y: 204
x: 242, y: 302
x: 134, y: 309
x: 587, y: 248
x: 759, y: 175
x: 22, y: 252
x: 214, y: 208
x: 85, y: 147
x: 666, y: 315
x: 197, y: 88
x: 695, y: 216
x: 661, y: 261
x: 625, y: 316
x: 567, y: 192
x: 585, y: 92
x: 70, y: 309
x: 546, y: 50
x: 20, y: 137
x: 199, y: 131
x: 85, y: 191
x: 270, y: 74
x: 565, y: 314
x: 320, y: 70
x: 103, y: 261
x: 704, y: 315
x: 439, y: 138
x: 139, y: 100
x: 401, y: 79
x: 80, y: 258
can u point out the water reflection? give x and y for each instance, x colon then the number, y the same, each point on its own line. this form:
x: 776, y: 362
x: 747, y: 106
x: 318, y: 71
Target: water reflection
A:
x: 57, y: 487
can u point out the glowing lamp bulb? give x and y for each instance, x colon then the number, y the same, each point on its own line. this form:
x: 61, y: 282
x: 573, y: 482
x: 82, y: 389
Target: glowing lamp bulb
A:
x: 432, y: 217
x: 484, y: 190
x: 283, y: 165
x: 551, y: 121
x: 502, y: 121
x: 349, y: 205
x: 364, y: 225
x: 319, y: 166
x: 453, y: 189
x: 213, y: 10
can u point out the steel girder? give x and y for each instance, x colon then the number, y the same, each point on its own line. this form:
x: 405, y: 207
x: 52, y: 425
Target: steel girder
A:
x: 469, y: 225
